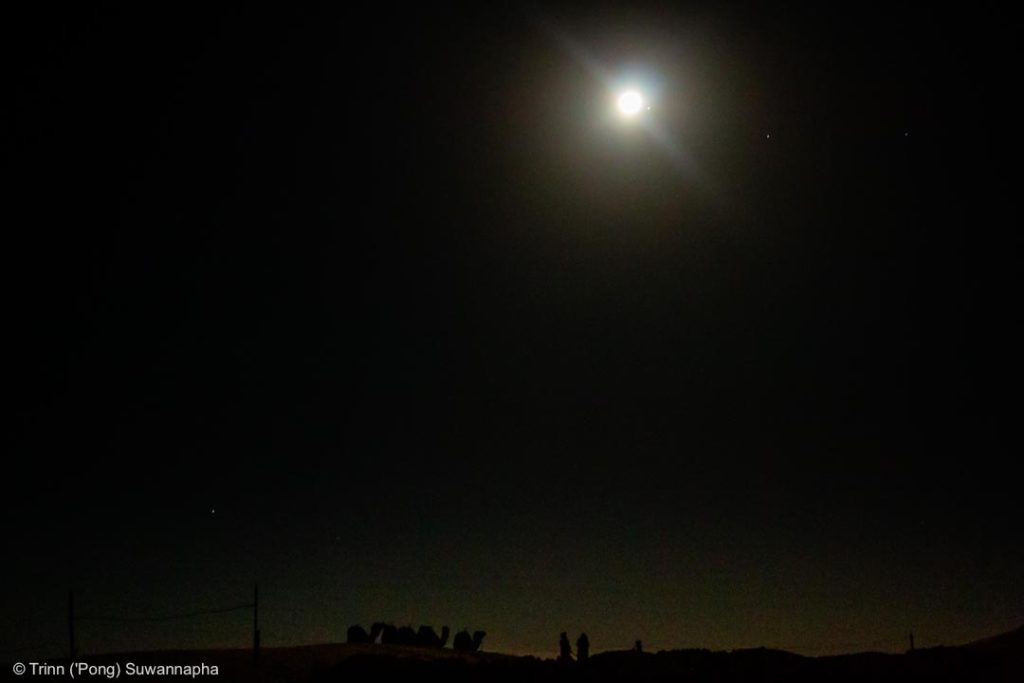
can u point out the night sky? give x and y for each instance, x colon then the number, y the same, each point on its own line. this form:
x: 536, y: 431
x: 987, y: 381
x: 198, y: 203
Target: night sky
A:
x: 387, y: 310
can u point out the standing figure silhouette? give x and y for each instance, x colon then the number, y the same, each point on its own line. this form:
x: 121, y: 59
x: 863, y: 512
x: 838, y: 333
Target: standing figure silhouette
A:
x: 564, y: 651
x: 582, y: 648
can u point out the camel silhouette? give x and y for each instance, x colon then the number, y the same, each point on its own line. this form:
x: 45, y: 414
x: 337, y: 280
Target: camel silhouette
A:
x: 388, y: 633
x: 357, y: 634
x: 405, y: 636
x: 427, y: 637
x: 464, y: 643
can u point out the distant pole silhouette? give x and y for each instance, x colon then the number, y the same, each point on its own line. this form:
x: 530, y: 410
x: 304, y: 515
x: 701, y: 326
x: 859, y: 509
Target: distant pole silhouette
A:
x: 911, y: 641
x: 71, y: 625
x: 638, y: 647
x: 256, y: 624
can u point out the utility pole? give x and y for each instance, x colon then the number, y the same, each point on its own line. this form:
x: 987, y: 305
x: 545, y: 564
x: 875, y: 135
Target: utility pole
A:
x: 256, y: 624
x: 71, y: 626
x: 911, y: 641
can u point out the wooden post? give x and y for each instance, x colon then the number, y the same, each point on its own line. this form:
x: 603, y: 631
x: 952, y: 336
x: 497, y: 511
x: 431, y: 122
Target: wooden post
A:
x: 71, y: 626
x: 256, y: 624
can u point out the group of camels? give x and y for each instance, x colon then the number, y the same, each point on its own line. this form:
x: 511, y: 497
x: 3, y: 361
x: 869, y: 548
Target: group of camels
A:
x: 426, y: 636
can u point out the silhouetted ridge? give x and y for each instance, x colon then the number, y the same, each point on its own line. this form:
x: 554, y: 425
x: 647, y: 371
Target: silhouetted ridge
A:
x: 1010, y: 642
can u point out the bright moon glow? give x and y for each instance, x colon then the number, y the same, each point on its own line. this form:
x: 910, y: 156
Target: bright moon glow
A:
x: 630, y: 103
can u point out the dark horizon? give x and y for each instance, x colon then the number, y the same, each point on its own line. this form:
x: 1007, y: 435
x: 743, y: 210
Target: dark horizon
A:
x: 385, y: 311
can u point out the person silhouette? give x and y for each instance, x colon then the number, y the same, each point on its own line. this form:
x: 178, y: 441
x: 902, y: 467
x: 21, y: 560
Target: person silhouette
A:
x: 564, y: 651
x: 582, y: 648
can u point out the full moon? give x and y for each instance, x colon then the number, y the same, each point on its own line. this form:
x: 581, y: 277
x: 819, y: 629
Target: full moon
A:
x: 630, y: 103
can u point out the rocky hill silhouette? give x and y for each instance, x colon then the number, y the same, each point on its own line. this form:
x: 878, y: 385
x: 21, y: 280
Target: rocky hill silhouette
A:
x: 999, y: 659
